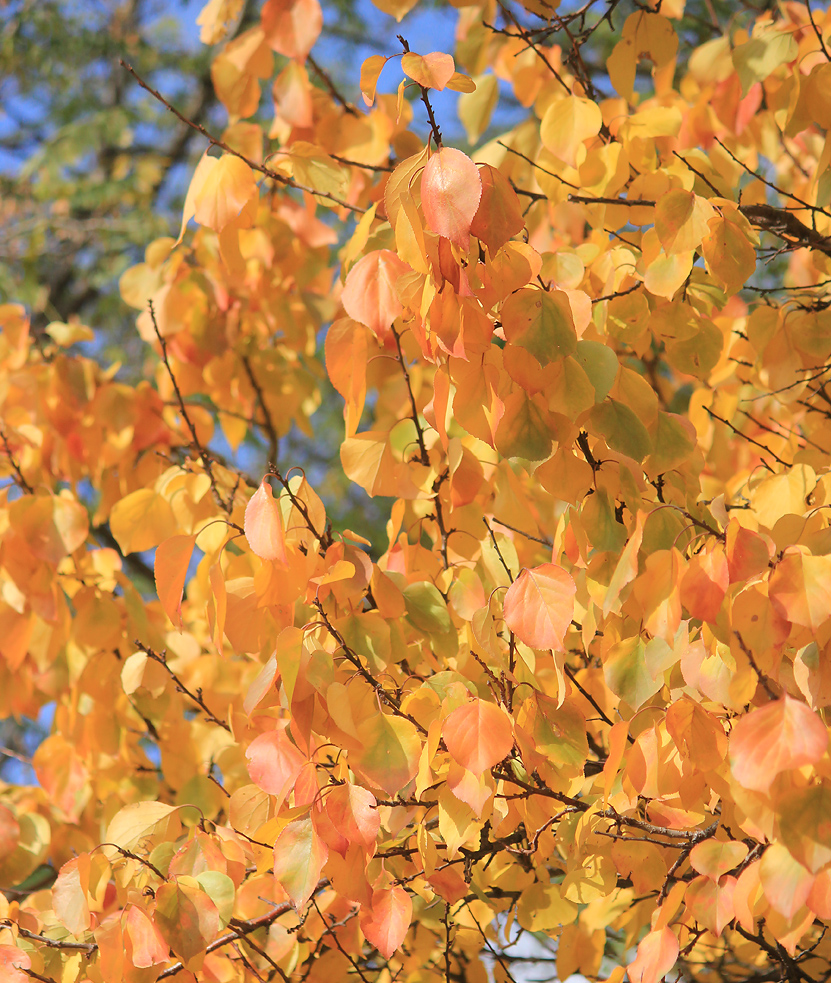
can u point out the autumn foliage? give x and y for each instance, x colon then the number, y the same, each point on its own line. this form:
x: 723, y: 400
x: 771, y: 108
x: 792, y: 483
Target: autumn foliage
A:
x: 571, y: 711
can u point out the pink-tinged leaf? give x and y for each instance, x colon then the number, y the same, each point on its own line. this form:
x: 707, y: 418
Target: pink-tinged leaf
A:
x: 369, y: 294
x: 143, y: 941
x: 354, y: 814
x: 69, y: 895
x: 299, y: 856
x: 170, y: 569
x: 385, y: 925
x: 264, y: 525
x: 781, y: 735
x: 274, y: 763
x: 13, y: 964
x: 478, y: 735
x: 539, y: 606
x: 714, y: 858
x: 786, y: 883
x: 451, y: 189
x: 711, y: 902
x: 656, y: 956
x: 431, y: 71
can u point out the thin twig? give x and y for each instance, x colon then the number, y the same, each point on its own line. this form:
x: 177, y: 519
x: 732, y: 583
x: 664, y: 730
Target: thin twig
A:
x: 216, y: 142
x: 330, y: 85
x: 161, y: 658
x: 268, y: 421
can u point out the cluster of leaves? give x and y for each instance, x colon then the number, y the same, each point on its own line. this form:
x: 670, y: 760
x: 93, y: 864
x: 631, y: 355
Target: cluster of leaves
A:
x: 580, y: 696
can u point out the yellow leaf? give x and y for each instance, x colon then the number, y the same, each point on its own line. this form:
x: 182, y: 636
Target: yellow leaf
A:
x: 567, y: 123
x: 142, y: 520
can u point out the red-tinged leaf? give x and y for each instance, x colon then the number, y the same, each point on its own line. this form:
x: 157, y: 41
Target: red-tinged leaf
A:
x: 748, y: 553
x: 714, y: 858
x: 786, y: 883
x: 369, y: 294
x: 656, y: 956
x: 69, y: 895
x: 385, y: 925
x: 704, y: 584
x: 185, y: 916
x: 539, y: 606
x: 292, y: 26
x: 451, y: 190
x: 264, y: 525
x: 711, y: 902
x: 431, y: 71
x: 781, y: 735
x: 170, y: 569
x: 299, y: 856
x: 478, y: 735
x: 144, y: 944
x: 800, y: 588
x: 499, y: 215
x: 13, y: 964
x: 354, y: 814
x: 274, y: 763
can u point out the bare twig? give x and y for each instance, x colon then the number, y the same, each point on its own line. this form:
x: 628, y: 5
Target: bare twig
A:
x: 216, y: 142
x: 197, y: 698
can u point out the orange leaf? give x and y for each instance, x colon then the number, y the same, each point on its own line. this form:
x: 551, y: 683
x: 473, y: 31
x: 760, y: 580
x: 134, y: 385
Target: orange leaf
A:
x: 369, y: 294
x: 170, y: 569
x: 386, y: 924
x: 451, y: 190
x: 264, y: 525
x: 478, y: 735
x: 226, y: 187
x: 370, y: 73
x: 292, y: 26
x: 431, y: 71
x: 784, y: 734
x: 539, y: 606
x: 656, y: 956
x: 499, y: 216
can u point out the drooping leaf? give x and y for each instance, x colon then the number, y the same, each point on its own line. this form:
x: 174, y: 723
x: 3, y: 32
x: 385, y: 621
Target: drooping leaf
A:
x: 385, y: 924
x: 451, y: 190
x: 264, y: 528
x: 539, y: 606
x: 170, y: 568
x: 478, y: 735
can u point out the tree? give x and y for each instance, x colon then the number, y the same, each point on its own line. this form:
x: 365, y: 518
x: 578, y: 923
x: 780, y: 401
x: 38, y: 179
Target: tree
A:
x: 572, y: 713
